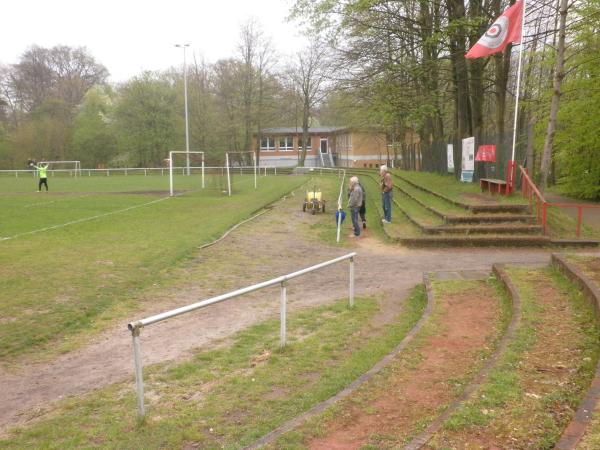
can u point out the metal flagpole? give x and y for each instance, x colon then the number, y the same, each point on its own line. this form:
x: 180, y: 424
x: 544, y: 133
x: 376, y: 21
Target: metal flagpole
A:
x: 514, y: 143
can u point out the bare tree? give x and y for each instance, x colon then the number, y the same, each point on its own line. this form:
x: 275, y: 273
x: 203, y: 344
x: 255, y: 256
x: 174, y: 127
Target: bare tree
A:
x: 559, y: 75
x: 309, y: 74
x: 60, y: 73
x: 257, y: 58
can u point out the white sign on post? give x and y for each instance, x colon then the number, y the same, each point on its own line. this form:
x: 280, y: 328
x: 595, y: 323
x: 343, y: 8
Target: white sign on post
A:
x: 468, y: 159
x: 450, y: 158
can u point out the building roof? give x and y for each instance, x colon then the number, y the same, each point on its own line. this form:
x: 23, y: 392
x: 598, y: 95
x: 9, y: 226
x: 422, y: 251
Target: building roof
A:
x: 294, y: 130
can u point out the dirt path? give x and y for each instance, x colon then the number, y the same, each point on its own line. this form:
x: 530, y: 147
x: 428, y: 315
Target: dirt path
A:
x: 276, y: 243
x: 423, y: 379
x: 543, y: 372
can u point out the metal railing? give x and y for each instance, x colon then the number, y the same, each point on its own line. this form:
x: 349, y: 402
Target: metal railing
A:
x: 136, y: 327
x: 146, y: 171
x: 535, y: 197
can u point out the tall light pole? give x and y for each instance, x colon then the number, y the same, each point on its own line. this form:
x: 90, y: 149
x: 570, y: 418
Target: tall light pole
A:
x: 187, y: 132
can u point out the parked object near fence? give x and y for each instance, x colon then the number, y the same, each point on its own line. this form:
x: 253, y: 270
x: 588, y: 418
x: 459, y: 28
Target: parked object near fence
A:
x: 502, y: 187
x: 136, y: 327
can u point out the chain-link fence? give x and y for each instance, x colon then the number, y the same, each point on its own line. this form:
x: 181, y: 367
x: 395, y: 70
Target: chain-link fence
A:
x: 433, y: 157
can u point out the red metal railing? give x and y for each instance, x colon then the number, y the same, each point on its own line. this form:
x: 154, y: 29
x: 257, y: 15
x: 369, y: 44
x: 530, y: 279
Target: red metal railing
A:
x: 532, y: 193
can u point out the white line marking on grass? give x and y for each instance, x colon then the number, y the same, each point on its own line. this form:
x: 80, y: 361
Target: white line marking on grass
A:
x: 85, y: 219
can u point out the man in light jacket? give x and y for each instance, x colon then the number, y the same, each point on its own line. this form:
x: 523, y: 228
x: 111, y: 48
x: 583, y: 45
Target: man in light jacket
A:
x: 387, y: 186
x: 354, y: 203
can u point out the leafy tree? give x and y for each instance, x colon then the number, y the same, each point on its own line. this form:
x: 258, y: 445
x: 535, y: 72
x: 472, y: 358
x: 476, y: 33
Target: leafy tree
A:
x: 577, y: 140
x: 94, y: 141
x: 46, y: 134
x: 7, y: 157
x: 146, y: 120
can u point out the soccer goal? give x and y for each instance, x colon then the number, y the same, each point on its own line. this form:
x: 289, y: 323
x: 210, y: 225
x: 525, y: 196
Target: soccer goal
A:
x: 72, y: 167
x: 230, y: 167
x: 172, y: 166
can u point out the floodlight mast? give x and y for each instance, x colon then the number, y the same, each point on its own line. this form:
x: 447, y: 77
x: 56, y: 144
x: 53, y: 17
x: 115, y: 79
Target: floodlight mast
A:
x: 185, y: 99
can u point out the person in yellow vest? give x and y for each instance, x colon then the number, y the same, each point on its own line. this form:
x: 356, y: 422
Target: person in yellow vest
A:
x: 43, y: 173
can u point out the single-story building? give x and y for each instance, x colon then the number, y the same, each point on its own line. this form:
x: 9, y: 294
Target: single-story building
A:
x: 326, y: 147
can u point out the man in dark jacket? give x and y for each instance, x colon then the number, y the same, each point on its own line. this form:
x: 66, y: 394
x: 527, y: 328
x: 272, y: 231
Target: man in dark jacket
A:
x: 354, y: 203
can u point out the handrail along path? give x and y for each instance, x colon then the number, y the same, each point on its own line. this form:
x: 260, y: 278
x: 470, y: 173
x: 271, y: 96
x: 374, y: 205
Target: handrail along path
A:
x: 136, y: 327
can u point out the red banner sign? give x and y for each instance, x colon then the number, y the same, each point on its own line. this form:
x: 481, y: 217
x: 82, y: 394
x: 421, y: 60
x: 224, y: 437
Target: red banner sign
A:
x: 486, y: 153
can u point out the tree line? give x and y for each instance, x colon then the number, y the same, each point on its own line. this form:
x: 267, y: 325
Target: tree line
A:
x: 57, y: 104
x: 404, y: 62
x: 399, y: 66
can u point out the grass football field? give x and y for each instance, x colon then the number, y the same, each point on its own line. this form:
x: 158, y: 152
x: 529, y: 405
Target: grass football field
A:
x: 74, y: 257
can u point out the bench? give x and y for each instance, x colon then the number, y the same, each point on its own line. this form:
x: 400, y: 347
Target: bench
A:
x: 493, y: 186
x: 502, y: 187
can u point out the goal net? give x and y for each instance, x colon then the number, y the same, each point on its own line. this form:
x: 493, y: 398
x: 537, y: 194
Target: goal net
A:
x: 184, y: 174
x: 69, y: 168
x: 240, y: 162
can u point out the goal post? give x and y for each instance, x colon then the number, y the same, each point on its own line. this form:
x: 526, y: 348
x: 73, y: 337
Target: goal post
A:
x: 76, y: 166
x: 171, y: 167
x: 228, y: 167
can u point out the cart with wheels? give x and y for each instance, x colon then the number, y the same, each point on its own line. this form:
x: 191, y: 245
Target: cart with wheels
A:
x: 313, y: 202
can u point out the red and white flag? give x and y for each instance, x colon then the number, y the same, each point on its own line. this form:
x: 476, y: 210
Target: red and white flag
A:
x: 506, y: 29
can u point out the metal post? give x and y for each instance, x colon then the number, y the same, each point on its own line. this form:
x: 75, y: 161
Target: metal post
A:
x: 228, y: 179
x: 171, y: 175
x: 544, y: 218
x: 282, y: 314
x: 254, y: 159
x: 139, y: 380
x: 202, y: 170
x: 351, y: 287
x: 339, y: 223
x: 185, y: 99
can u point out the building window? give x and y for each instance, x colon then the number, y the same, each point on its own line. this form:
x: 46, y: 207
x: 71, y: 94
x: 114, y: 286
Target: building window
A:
x: 286, y: 143
x: 267, y: 143
x: 301, y: 143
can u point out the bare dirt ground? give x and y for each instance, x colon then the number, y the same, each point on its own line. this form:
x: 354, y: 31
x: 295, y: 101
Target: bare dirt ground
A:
x: 545, y: 368
x: 414, y: 392
x: 276, y: 243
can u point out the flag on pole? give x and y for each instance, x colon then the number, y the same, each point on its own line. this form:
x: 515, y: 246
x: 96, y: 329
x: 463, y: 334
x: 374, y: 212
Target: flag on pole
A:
x: 505, y: 30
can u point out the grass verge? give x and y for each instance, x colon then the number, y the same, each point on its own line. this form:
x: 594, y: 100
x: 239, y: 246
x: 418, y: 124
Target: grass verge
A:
x: 531, y: 395
x: 449, y: 187
x: 70, y: 280
x: 229, y: 397
x: 366, y: 405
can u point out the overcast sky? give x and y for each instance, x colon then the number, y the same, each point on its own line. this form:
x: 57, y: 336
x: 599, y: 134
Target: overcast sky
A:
x: 129, y: 36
